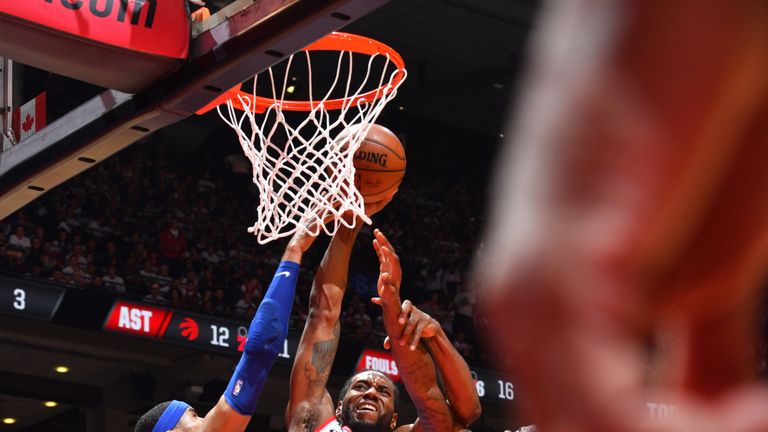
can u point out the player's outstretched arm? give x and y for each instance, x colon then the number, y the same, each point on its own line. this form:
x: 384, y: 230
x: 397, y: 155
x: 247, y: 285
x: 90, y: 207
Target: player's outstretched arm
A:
x: 416, y: 366
x: 266, y: 335
x: 309, y: 403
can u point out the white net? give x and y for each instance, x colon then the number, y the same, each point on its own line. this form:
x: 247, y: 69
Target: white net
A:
x: 302, y: 167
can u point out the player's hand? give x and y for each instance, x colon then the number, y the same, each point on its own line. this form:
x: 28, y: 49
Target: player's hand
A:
x: 390, y: 273
x: 371, y: 208
x: 302, y: 239
x: 418, y: 325
x: 299, y: 243
x: 375, y: 207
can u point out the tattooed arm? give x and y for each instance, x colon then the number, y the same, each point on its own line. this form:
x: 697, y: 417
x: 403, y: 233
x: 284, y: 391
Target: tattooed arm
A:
x: 415, y: 366
x: 309, y: 403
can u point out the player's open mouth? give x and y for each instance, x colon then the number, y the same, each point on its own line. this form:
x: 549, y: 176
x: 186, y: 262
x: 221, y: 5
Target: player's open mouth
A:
x: 367, y: 406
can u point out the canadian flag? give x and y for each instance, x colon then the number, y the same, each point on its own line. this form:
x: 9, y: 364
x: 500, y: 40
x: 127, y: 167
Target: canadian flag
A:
x: 29, y: 118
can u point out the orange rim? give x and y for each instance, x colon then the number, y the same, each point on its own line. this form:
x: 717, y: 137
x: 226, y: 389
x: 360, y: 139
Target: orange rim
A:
x: 336, y: 41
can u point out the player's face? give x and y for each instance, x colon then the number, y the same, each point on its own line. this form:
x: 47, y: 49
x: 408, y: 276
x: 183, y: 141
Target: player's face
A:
x: 189, y: 422
x: 369, y: 405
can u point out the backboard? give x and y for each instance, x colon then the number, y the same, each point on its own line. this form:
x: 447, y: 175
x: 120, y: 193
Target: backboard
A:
x: 83, y: 125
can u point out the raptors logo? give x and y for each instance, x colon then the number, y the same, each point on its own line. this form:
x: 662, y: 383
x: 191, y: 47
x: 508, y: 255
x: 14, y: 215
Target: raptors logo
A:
x: 189, y: 329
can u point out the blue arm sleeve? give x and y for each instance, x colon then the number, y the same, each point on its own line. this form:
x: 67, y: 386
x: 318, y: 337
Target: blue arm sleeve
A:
x: 266, y: 335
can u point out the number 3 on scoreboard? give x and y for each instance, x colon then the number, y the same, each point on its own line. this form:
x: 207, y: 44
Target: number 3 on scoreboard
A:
x: 20, y: 299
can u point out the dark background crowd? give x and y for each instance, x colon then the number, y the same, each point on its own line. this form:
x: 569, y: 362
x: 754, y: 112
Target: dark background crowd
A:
x: 167, y: 225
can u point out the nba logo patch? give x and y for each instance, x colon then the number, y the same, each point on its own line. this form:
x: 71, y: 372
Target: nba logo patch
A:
x: 238, y: 386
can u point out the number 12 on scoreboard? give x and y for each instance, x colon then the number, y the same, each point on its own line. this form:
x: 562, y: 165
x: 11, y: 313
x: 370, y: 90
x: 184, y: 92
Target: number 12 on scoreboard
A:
x: 219, y: 336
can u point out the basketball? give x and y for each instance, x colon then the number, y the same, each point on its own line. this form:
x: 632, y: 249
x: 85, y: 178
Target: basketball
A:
x: 379, y: 164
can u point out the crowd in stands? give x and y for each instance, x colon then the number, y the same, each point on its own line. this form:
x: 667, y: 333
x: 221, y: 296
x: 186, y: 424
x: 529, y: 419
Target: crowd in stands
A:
x: 144, y: 226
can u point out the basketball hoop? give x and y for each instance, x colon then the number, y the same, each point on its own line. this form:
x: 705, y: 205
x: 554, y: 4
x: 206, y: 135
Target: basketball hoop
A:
x: 304, y: 174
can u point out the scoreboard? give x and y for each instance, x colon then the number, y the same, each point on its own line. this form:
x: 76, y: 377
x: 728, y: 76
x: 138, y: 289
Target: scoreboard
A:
x: 489, y: 386
x: 40, y: 301
x: 46, y: 302
x: 29, y: 299
x: 184, y: 328
x: 221, y: 335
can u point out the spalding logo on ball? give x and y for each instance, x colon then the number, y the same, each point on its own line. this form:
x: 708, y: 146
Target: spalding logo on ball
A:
x: 379, y: 163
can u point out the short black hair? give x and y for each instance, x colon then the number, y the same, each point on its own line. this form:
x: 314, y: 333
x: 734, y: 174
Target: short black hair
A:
x: 348, y: 384
x: 148, y: 421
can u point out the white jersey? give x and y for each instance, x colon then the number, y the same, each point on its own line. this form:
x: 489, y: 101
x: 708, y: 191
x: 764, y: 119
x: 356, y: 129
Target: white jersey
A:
x: 332, y: 425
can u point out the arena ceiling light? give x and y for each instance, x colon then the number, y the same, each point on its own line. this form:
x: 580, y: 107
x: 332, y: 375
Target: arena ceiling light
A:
x: 9, y: 420
x: 50, y: 404
x: 61, y: 369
